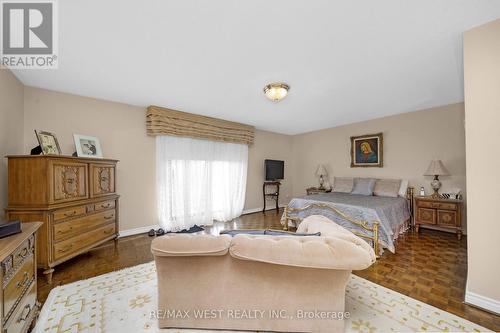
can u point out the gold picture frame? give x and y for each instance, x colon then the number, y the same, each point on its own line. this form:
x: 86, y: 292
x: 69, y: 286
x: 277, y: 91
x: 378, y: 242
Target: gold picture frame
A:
x: 48, y: 143
x: 367, y: 151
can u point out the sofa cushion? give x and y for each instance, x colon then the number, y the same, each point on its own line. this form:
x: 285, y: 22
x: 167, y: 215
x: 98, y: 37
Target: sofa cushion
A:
x: 343, y: 251
x: 190, y: 245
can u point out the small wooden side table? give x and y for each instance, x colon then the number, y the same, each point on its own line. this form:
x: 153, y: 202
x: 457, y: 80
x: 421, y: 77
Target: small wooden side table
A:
x: 316, y: 190
x: 275, y: 194
x: 444, y: 213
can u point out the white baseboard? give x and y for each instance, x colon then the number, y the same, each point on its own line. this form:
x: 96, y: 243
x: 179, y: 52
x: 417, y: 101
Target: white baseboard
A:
x: 137, y: 231
x: 257, y: 210
x: 482, y: 302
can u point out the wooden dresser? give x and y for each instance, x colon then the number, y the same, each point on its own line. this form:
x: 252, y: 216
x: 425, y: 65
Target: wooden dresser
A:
x: 75, y: 198
x: 18, y: 297
x: 443, y: 213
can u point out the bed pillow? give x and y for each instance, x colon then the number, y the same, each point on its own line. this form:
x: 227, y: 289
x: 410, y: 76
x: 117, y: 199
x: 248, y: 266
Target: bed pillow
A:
x: 387, y: 188
x: 363, y: 186
x: 403, y: 188
x: 343, y: 184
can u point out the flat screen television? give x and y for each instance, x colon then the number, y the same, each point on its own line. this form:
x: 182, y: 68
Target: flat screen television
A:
x: 274, y: 169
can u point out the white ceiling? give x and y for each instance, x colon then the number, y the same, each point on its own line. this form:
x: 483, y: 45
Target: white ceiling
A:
x: 345, y: 60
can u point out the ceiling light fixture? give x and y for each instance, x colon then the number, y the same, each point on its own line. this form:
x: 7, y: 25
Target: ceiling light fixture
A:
x: 276, y: 91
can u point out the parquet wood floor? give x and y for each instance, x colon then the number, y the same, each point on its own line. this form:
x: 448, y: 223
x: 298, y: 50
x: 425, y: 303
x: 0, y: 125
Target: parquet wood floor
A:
x: 430, y: 266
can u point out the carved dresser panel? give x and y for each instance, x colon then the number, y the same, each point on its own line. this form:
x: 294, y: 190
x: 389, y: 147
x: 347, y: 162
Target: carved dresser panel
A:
x: 75, y: 198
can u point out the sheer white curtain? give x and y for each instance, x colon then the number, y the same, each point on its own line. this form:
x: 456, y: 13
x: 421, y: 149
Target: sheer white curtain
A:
x: 199, y: 181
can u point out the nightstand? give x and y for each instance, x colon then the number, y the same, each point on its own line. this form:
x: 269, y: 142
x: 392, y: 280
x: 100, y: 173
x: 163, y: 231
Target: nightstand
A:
x: 443, y: 213
x: 315, y: 190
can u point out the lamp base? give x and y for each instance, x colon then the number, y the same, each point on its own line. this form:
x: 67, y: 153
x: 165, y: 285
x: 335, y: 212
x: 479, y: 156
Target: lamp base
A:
x: 436, y: 185
x: 321, y: 183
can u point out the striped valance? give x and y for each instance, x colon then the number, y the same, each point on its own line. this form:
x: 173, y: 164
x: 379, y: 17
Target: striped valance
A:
x: 162, y: 121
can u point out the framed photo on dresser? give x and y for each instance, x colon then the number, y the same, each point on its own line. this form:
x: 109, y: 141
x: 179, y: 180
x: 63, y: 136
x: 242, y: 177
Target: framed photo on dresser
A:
x: 48, y: 143
x: 87, y: 146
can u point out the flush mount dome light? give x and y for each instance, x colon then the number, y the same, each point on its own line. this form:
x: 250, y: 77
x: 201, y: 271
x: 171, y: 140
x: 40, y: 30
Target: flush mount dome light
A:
x: 276, y: 91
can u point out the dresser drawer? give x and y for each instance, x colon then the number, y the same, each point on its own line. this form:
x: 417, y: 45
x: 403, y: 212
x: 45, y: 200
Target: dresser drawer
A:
x: 426, y: 204
x: 104, y: 205
x: 80, y: 225
x: 66, y: 213
x: 69, y: 246
x: 14, y: 289
x: 24, y: 313
x: 447, y: 206
x: 437, y: 205
x: 22, y: 252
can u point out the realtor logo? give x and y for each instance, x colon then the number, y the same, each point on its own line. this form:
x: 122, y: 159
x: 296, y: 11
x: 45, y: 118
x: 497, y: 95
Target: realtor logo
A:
x: 28, y: 34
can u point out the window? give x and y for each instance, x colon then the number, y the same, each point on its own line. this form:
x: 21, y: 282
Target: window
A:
x: 199, y: 181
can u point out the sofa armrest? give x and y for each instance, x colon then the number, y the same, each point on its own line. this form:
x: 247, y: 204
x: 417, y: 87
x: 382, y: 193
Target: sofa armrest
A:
x: 190, y: 245
x: 332, y: 252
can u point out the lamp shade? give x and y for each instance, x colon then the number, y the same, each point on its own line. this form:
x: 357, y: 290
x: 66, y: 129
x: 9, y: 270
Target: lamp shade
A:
x: 321, y: 171
x: 436, y: 168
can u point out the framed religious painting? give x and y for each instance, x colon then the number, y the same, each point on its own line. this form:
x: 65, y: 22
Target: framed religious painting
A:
x: 367, y: 150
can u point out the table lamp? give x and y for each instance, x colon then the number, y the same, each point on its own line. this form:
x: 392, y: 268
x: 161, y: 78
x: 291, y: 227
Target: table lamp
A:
x: 436, y: 169
x: 321, y: 172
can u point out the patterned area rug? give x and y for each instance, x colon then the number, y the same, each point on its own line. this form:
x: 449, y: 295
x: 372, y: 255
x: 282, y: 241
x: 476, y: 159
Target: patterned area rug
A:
x: 122, y: 302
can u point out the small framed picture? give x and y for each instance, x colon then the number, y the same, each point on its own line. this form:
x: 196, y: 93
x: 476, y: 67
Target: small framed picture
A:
x: 48, y: 143
x: 87, y: 146
x: 367, y: 150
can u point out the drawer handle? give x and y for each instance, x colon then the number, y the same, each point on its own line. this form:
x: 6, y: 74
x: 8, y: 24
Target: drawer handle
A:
x: 70, y: 229
x: 23, y: 254
x: 24, y: 315
x: 109, y: 217
x: 22, y: 284
x: 107, y: 232
x: 73, y: 213
x: 66, y: 249
x: 106, y: 206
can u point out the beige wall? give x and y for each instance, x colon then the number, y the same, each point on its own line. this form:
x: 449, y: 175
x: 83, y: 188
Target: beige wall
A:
x: 11, y: 126
x: 482, y: 115
x: 273, y: 146
x: 411, y: 141
x: 122, y: 132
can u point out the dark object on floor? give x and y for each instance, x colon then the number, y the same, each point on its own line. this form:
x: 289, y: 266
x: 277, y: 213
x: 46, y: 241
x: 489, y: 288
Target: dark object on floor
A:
x: 36, y: 151
x: 160, y: 231
x: 10, y: 228
x: 194, y: 228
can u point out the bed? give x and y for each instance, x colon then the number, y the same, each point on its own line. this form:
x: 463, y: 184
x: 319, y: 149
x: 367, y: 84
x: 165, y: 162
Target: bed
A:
x: 378, y: 219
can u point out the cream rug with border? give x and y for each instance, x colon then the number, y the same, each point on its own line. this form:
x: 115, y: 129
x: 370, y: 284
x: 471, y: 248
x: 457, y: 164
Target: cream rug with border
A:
x: 122, y: 302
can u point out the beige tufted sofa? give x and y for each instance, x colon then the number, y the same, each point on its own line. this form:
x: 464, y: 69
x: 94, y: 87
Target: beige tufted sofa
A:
x: 258, y: 283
